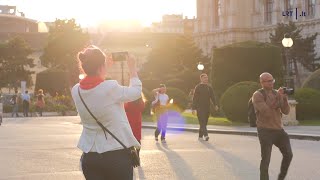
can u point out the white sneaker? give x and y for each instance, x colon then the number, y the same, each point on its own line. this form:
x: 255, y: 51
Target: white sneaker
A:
x: 206, y: 138
x: 163, y: 141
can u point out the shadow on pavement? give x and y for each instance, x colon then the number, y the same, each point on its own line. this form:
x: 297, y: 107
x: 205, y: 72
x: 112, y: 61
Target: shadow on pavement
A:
x: 248, y: 170
x: 183, y: 171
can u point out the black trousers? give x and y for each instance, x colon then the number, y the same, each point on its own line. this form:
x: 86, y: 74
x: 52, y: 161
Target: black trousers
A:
x: 203, y: 116
x: 279, y: 138
x: 109, y: 165
x: 25, y: 106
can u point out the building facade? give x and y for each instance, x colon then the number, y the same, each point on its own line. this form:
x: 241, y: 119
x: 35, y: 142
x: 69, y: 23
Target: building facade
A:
x: 223, y: 22
x: 174, y: 23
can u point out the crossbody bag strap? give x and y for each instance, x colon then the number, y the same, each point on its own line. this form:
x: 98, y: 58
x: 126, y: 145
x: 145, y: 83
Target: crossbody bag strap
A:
x: 99, y: 123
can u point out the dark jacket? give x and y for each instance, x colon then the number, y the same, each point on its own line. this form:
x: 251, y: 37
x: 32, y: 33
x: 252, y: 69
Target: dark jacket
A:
x: 203, y: 93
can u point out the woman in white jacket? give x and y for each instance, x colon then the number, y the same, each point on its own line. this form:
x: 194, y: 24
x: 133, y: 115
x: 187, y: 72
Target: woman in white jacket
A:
x: 103, y: 157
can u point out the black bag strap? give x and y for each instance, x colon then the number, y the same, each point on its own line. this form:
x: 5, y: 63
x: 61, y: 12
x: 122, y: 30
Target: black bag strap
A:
x: 99, y: 123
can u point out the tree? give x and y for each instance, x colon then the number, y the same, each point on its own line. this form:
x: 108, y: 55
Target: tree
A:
x: 65, y: 40
x: 174, y: 58
x: 302, y: 51
x: 14, y: 62
x: 244, y: 61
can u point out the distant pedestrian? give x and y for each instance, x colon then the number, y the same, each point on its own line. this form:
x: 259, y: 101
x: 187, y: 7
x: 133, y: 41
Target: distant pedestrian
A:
x: 25, y: 103
x: 160, y: 105
x: 15, y: 104
x: 134, y: 111
x: 40, y: 101
x: 269, y: 109
x: 203, y: 93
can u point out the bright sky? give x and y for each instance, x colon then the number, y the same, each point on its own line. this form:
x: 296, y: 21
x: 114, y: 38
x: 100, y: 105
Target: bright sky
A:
x: 90, y: 12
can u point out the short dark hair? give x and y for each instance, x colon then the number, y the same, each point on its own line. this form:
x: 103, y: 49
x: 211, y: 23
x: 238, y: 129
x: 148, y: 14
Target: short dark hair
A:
x: 91, y: 59
x: 26, y: 91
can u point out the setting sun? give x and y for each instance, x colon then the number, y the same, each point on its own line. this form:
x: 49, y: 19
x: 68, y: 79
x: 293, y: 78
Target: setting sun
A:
x: 95, y: 11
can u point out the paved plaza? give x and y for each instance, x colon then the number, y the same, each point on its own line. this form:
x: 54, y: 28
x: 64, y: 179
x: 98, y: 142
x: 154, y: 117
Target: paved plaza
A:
x: 45, y: 148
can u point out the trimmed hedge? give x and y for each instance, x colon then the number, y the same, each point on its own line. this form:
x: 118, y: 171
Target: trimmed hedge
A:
x: 244, y: 61
x: 52, y: 80
x: 179, y: 97
x: 313, y: 81
x: 308, y: 106
x: 234, y: 102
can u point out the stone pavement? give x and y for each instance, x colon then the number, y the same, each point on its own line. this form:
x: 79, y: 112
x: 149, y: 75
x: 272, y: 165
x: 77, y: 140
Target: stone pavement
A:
x: 295, y: 132
x: 45, y: 149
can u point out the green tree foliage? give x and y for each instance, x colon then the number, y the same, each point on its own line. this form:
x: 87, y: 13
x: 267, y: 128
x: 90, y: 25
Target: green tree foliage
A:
x: 313, y: 81
x: 308, y: 106
x: 52, y: 80
x: 65, y: 40
x: 234, y: 102
x: 14, y: 62
x: 244, y: 61
x: 179, y: 97
x: 174, y: 58
x: 302, y: 51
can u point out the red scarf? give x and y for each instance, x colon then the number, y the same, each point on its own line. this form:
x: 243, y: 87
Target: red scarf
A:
x: 90, y: 82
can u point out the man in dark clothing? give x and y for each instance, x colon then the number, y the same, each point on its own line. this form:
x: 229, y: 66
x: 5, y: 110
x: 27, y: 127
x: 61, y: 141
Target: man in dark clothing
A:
x: 203, y: 93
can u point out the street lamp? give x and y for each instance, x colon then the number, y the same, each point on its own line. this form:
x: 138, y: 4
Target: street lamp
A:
x: 287, y: 42
x: 200, y: 66
x: 81, y: 76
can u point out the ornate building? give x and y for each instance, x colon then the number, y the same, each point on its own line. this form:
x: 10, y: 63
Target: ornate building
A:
x: 222, y: 22
x: 174, y: 23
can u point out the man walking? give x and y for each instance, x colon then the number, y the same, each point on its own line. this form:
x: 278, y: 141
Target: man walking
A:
x: 14, y: 102
x: 269, y: 104
x: 26, y: 102
x: 203, y: 93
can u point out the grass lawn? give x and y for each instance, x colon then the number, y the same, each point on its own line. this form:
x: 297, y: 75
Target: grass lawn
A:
x: 191, y: 119
x: 310, y: 122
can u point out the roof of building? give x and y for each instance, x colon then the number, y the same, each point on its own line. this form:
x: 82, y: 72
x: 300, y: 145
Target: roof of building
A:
x: 17, y: 18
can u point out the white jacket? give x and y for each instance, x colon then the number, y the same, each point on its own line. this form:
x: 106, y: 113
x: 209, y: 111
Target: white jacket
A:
x: 106, y: 102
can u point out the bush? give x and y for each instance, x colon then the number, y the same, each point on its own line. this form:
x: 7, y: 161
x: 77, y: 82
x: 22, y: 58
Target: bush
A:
x: 150, y: 84
x: 308, y: 106
x: 313, y: 81
x: 176, y: 83
x: 179, y: 97
x: 244, y: 61
x: 52, y: 80
x: 234, y: 102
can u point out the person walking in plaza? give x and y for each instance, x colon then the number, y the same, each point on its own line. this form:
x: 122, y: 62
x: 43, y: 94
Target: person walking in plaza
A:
x: 134, y: 111
x: 269, y: 105
x: 100, y: 104
x: 203, y: 93
x: 25, y: 103
x: 160, y: 105
x: 14, y: 102
x: 40, y: 101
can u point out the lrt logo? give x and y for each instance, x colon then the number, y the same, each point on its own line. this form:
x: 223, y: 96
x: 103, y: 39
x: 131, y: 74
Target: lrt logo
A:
x: 295, y: 13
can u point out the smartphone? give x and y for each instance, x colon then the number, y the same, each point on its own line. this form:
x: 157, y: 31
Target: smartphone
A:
x: 119, y: 56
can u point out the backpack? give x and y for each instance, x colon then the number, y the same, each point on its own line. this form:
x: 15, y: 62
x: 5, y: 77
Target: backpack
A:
x: 252, y: 118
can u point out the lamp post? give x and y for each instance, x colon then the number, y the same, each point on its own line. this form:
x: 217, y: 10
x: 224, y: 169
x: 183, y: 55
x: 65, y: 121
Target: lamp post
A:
x: 287, y: 42
x: 200, y: 66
